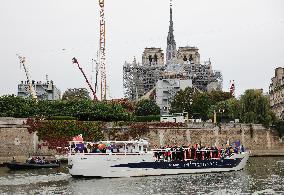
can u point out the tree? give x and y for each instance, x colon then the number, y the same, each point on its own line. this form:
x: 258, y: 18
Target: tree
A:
x: 13, y: 106
x: 146, y: 108
x: 227, y: 110
x: 219, y: 96
x: 182, y: 101
x: 200, y: 105
x: 255, y: 108
x: 76, y: 93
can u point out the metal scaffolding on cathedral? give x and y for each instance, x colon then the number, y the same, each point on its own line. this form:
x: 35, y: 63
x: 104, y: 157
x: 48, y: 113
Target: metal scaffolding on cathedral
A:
x: 140, y: 79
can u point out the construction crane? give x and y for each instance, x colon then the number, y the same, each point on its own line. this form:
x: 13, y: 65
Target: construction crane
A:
x: 102, y: 54
x: 75, y: 61
x: 31, y: 88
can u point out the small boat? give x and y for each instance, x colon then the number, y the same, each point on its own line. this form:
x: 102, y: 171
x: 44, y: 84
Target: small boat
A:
x: 132, y: 159
x: 24, y: 166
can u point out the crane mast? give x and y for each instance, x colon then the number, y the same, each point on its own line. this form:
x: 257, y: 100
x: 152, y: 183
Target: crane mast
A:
x: 102, y: 55
x: 31, y: 88
x: 75, y: 61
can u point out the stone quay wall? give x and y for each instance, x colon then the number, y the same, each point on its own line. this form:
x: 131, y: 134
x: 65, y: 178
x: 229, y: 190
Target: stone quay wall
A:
x: 256, y: 138
x: 18, y: 142
x: 15, y: 140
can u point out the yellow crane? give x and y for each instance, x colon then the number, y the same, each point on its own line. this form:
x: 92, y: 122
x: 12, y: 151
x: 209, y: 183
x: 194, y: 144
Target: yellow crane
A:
x: 31, y: 88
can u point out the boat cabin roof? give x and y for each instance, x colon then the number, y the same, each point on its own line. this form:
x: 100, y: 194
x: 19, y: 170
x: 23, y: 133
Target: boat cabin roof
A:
x: 133, y: 142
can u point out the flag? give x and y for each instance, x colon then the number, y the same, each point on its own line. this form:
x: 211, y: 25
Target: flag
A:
x: 232, y: 88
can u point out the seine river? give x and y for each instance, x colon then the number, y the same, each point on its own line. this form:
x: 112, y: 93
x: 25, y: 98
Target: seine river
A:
x: 262, y: 175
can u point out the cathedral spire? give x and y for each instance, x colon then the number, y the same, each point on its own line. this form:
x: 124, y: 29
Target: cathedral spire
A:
x: 171, y: 43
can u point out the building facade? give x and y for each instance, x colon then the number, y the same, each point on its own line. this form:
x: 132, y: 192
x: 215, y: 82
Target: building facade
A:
x: 276, y: 93
x: 183, y: 64
x: 166, y: 89
x: 44, y: 91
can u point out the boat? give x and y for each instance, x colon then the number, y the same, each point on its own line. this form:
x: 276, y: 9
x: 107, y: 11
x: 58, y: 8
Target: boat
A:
x: 133, y: 159
x: 13, y: 165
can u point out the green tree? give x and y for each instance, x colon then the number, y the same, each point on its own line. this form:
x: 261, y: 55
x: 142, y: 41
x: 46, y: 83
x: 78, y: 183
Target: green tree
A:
x: 255, y: 108
x: 200, y: 105
x: 13, y: 106
x: 76, y: 93
x: 219, y: 96
x: 146, y: 107
x: 182, y: 101
x: 227, y: 110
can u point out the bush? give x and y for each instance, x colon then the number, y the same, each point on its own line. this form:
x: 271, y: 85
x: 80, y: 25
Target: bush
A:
x: 62, y: 118
x: 149, y: 118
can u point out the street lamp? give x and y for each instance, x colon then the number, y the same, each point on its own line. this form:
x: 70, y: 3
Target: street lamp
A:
x: 222, y: 112
x: 185, y: 113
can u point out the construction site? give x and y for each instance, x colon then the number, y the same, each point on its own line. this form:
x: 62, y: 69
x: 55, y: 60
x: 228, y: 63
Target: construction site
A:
x: 39, y: 90
x: 159, y: 75
x: 163, y: 78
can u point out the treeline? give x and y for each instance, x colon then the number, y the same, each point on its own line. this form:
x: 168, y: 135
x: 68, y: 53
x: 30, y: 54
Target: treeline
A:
x: 81, y: 109
x: 252, y: 107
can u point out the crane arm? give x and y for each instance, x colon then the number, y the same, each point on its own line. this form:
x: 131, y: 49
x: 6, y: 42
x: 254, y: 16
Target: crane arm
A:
x: 31, y: 88
x: 75, y: 61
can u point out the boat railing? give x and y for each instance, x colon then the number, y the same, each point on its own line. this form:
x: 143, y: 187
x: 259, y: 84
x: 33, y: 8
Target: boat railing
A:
x: 109, y: 154
x: 186, y: 154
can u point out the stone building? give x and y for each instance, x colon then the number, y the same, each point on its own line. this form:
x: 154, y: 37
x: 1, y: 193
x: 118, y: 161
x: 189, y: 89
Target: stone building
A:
x: 276, y: 93
x: 44, y: 91
x: 166, y: 89
x: 183, y: 64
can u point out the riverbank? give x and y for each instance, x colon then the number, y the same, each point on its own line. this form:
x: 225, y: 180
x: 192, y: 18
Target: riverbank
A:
x: 18, y: 142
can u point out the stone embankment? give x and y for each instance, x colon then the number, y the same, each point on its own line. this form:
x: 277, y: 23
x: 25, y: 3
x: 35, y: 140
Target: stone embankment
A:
x: 18, y: 142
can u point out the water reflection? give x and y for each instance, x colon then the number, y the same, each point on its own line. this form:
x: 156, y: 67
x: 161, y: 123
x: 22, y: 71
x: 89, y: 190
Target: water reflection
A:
x: 261, y: 176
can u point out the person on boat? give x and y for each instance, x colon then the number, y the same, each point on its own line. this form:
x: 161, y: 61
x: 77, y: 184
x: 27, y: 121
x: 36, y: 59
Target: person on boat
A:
x: 242, y: 148
x: 32, y: 161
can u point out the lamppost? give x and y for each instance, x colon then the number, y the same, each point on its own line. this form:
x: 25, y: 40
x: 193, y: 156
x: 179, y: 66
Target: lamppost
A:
x: 222, y: 112
x: 185, y: 114
x: 215, y: 115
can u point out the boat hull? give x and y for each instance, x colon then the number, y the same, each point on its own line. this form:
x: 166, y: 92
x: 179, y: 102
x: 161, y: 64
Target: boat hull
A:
x: 25, y: 166
x: 84, y: 165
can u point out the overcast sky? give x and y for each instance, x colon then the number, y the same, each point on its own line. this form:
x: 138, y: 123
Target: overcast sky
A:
x: 243, y: 38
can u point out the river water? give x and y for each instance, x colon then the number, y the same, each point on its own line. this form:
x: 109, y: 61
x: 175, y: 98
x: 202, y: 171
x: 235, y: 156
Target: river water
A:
x: 262, y: 175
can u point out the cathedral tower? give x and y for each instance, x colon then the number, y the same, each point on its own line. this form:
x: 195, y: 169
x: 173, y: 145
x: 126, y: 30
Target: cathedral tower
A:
x: 171, y: 43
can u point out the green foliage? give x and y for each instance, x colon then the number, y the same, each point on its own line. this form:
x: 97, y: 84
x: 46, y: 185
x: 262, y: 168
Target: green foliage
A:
x: 201, y: 105
x: 146, y: 108
x: 255, y: 108
x: 149, y: 118
x: 219, y: 96
x: 279, y: 126
x: 83, y: 109
x: 197, y: 104
x: 62, y: 118
x: 227, y: 110
x: 75, y: 94
x: 13, y: 106
x: 182, y: 101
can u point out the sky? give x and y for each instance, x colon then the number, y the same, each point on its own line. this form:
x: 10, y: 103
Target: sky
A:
x: 243, y: 38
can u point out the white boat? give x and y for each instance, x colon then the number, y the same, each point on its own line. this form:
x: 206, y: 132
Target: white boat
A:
x: 134, y: 160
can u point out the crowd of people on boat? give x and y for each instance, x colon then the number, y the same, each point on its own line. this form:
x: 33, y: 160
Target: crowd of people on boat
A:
x: 195, y: 152
x: 100, y: 148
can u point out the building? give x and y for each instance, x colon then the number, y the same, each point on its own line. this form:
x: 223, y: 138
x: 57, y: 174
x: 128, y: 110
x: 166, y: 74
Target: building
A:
x: 276, y: 93
x: 166, y: 89
x: 44, y: 91
x: 182, y: 63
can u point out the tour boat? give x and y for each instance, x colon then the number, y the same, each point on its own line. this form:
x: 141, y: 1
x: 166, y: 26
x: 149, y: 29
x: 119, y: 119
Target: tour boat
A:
x: 133, y: 159
x: 25, y: 166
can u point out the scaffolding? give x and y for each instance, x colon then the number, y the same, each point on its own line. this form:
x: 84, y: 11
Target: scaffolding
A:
x: 183, y: 64
x: 140, y: 79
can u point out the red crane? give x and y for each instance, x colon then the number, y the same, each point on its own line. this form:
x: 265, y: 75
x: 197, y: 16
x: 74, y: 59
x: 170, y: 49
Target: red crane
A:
x: 75, y: 61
